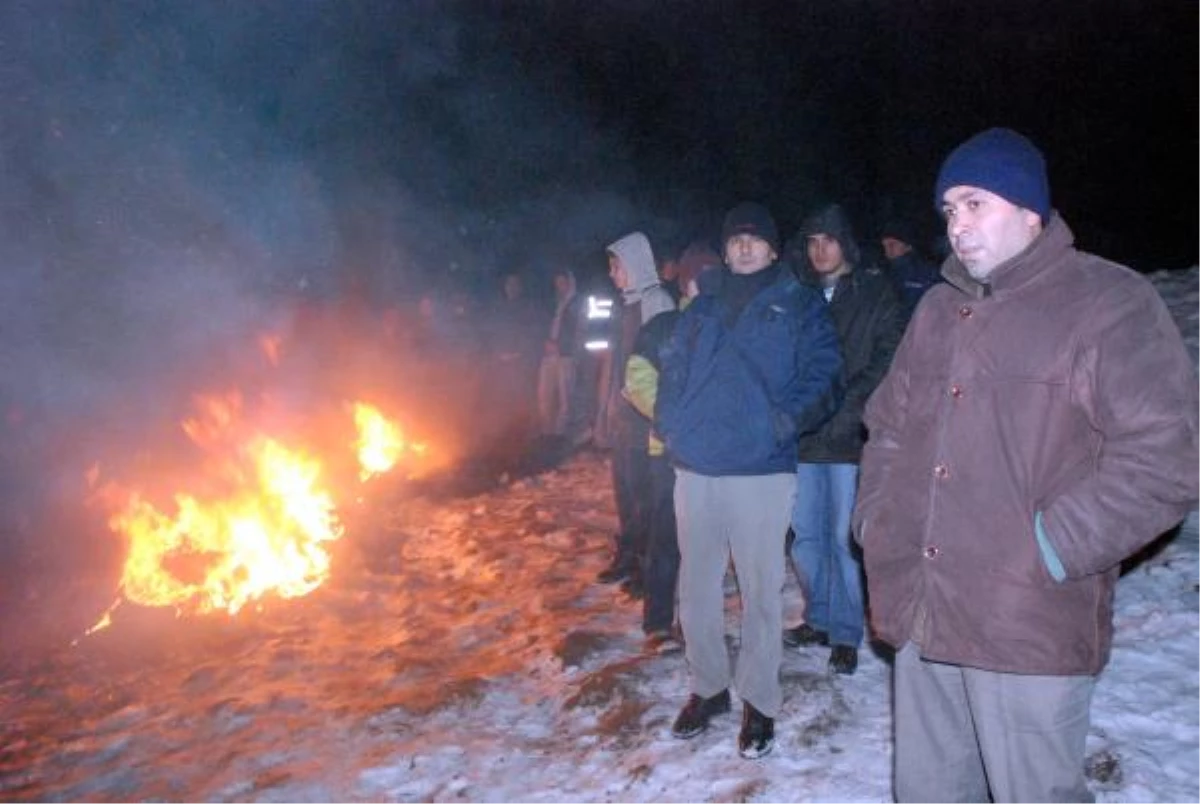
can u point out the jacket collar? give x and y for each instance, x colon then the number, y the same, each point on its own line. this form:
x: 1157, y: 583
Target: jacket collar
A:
x: 1018, y: 270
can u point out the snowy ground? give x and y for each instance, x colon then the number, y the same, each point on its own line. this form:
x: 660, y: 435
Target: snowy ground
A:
x: 463, y: 652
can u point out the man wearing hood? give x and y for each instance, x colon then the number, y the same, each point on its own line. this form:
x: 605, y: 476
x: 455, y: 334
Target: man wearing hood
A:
x: 752, y: 364
x: 1037, y: 426
x: 869, y: 320
x: 633, y: 271
x: 661, y: 565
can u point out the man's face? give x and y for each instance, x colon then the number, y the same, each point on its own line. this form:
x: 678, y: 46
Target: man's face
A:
x: 985, y: 230
x: 617, y: 272
x: 748, y: 254
x: 825, y: 254
x: 893, y: 248
x: 561, y: 284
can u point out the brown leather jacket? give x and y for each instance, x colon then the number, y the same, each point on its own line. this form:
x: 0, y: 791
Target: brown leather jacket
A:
x: 1063, y: 388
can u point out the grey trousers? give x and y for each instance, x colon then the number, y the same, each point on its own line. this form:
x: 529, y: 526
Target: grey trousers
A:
x: 960, y: 731
x: 746, y: 517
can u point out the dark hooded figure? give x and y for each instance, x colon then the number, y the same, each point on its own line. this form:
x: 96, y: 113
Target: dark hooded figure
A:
x: 869, y: 320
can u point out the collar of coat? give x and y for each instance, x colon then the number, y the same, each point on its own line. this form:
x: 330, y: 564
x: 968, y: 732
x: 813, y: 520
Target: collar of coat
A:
x: 1018, y: 270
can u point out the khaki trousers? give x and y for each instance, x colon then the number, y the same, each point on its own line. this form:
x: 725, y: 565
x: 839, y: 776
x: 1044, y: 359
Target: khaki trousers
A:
x: 960, y: 731
x: 745, y: 517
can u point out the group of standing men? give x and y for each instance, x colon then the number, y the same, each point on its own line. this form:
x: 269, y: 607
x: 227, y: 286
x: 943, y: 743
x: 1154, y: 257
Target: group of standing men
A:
x: 996, y: 450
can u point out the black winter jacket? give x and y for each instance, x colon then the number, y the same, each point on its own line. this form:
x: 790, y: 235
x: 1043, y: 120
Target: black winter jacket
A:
x: 869, y: 318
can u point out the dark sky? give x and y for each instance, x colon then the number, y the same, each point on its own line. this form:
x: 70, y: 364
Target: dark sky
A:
x: 798, y: 102
x: 173, y: 169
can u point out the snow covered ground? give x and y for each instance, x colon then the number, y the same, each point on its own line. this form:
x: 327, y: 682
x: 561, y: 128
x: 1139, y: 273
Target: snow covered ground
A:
x: 462, y: 651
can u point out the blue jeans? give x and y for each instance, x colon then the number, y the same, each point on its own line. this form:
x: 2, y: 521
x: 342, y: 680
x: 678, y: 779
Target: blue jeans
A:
x: 829, y: 571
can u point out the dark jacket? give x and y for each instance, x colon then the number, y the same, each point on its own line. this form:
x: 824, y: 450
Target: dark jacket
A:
x: 869, y: 320
x: 913, y: 275
x: 737, y: 391
x: 1061, y: 387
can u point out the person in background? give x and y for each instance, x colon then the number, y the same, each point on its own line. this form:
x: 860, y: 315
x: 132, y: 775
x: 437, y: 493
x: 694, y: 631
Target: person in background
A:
x: 911, y: 273
x: 635, y: 274
x: 869, y: 321
x: 660, y: 566
x: 513, y: 346
x: 752, y: 364
x: 556, y: 374
x: 1038, y: 425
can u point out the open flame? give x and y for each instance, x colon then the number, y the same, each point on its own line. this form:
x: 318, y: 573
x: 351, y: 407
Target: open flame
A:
x: 263, y: 529
x: 381, y: 444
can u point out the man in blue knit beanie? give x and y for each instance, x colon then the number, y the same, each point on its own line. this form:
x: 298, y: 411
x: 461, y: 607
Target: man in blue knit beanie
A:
x: 1003, y: 163
x: 1036, y: 427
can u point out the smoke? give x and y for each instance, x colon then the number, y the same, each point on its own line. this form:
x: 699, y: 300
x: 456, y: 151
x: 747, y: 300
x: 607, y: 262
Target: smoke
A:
x: 179, y: 176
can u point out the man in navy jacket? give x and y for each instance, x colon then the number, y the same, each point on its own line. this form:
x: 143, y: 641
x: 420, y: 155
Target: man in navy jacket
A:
x: 752, y: 365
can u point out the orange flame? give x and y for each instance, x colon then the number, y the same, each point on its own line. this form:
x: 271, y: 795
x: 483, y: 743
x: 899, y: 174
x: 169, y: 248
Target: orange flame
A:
x: 380, y: 444
x: 266, y: 533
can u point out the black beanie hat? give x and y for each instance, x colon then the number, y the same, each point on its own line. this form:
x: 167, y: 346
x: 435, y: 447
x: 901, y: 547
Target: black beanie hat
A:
x: 899, y: 229
x: 752, y: 219
x: 1000, y: 161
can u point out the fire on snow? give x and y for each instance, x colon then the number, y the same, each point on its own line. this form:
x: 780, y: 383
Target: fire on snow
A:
x: 261, y: 524
x: 380, y: 442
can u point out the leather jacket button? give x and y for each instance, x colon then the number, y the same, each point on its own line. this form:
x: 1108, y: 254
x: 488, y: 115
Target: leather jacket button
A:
x: 941, y: 471
x: 932, y: 551
x: 956, y: 391
x: 965, y: 311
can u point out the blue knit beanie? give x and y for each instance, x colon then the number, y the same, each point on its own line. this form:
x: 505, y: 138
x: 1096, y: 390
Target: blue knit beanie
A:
x: 1000, y: 161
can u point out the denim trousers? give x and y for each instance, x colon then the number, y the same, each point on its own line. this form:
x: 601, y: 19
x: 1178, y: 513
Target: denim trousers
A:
x: 823, y: 555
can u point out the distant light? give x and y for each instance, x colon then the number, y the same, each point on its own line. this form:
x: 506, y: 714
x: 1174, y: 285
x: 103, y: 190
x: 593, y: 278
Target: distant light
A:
x: 595, y: 346
x: 599, y: 308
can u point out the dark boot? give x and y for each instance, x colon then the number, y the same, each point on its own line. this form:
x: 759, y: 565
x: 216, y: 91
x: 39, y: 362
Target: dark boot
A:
x: 843, y: 659
x: 757, y: 737
x: 618, y: 570
x: 804, y: 635
x: 694, y: 716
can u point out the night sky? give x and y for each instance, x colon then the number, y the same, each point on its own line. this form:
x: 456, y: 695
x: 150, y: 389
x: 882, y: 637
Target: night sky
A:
x: 172, y: 169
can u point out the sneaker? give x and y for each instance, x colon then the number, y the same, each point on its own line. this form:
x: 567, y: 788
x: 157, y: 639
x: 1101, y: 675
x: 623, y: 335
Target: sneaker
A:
x: 757, y: 736
x: 843, y: 659
x: 694, y: 716
x: 662, y: 642
x: 803, y: 635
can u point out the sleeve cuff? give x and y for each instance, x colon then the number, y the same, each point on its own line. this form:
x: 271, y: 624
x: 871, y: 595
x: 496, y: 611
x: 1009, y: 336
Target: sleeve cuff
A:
x: 1050, y: 557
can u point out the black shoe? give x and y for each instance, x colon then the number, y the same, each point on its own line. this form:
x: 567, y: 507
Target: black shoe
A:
x: 757, y: 736
x: 803, y: 635
x: 616, y: 571
x: 662, y: 642
x: 843, y: 659
x: 694, y: 716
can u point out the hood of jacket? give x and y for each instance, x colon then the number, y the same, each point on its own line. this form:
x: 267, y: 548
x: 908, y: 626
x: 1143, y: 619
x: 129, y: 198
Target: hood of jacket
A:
x: 831, y: 220
x: 634, y: 251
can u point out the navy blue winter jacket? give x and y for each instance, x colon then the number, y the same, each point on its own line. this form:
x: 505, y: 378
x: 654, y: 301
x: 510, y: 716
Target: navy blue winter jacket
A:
x: 734, y: 399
